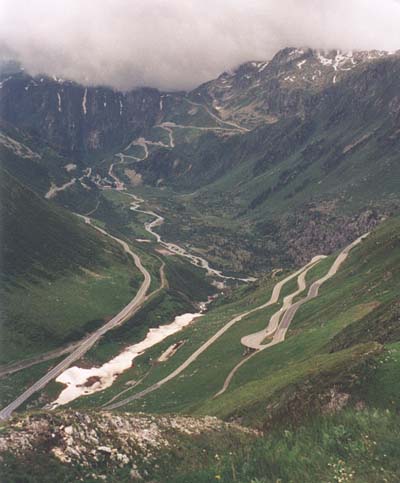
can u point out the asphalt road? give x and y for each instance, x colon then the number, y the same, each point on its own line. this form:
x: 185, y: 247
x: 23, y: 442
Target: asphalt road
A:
x: 254, y: 341
x: 313, y: 291
x: 129, y: 310
x: 140, y: 297
x: 273, y: 299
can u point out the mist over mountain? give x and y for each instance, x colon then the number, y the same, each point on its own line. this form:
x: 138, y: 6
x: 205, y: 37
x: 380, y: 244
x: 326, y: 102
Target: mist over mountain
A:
x: 200, y: 241
x: 176, y: 45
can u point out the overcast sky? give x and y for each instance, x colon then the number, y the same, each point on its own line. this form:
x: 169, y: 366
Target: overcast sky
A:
x: 177, y: 44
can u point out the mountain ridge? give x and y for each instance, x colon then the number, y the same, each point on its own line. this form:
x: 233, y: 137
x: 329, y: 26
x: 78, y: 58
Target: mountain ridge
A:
x: 139, y: 108
x: 254, y: 172
x: 315, y: 163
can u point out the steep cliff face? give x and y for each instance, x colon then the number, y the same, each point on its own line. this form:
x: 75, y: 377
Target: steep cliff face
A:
x: 75, y: 119
x: 81, y: 120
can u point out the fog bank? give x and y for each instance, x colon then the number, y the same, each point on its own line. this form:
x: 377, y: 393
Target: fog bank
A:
x: 177, y: 44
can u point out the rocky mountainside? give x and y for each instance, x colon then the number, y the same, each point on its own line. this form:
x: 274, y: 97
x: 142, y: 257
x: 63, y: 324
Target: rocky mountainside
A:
x: 80, y: 120
x: 283, y: 152
x: 352, y: 93
x: 113, y: 447
x: 75, y: 119
x: 326, y: 169
x: 261, y: 92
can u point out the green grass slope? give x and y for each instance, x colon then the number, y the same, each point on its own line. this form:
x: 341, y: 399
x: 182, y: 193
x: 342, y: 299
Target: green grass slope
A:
x: 325, y: 400
x: 297, y: 377
x: 351, y: 446
x: 60, y: 278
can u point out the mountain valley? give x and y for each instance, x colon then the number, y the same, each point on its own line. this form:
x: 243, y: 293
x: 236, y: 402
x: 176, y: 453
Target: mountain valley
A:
x: 239, y: 241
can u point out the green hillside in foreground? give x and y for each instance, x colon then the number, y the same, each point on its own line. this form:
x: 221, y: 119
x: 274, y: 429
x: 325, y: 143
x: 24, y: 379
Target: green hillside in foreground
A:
x: 59, y: 277
x: 324, y: 402
x: 331, y: 338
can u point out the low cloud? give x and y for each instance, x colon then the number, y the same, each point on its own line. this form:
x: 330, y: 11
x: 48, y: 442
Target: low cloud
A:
x: 177, y: 44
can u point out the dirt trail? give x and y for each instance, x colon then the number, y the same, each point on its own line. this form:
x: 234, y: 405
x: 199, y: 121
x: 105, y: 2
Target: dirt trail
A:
x: 54, y: 189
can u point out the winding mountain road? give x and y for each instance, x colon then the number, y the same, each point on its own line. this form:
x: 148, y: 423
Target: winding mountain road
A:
x: 127, y: 312
x: 255, y: 341
x: 273, y: 299
x: 76, y: 351
x: 252, y: 341
x: 172, y: 247
x: 218, y: 119
x: 158, y: 221
x: 172, y: 125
